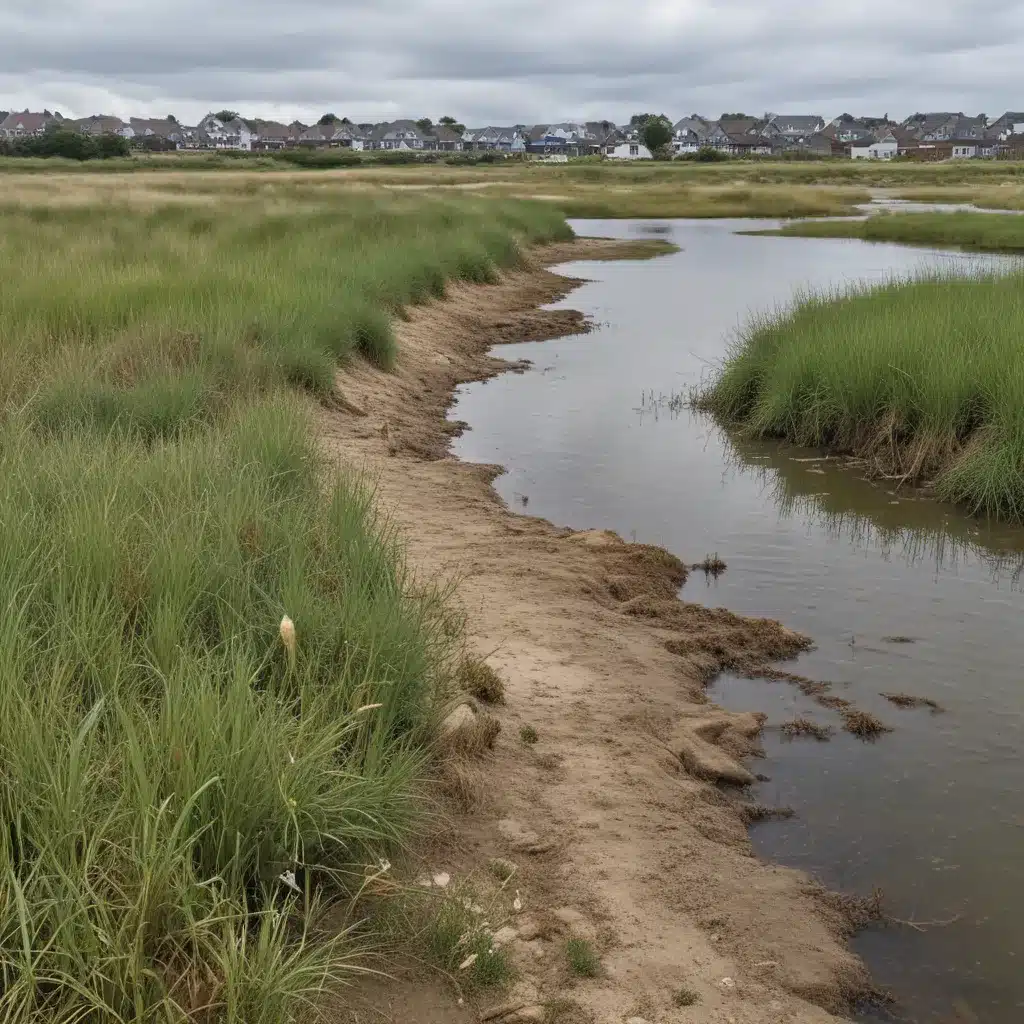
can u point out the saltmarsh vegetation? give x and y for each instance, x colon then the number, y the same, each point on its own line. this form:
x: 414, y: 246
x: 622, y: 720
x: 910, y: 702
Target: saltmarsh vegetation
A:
x: 985, y: 232
x: 189, y: 785
x: 923, y: 378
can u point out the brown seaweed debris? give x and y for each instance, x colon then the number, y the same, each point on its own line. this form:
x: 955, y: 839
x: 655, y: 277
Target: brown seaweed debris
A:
x: 807, y: 727
x: 834, y: 703
x: 906, y: 700
x: 752, y: 813
x: 862, y: 724
x: 898, y: 640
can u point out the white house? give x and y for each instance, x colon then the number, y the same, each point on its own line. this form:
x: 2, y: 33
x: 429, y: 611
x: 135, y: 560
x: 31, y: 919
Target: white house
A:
x: 233, y: 134
x: 629, y: 151
x: 884, y: 149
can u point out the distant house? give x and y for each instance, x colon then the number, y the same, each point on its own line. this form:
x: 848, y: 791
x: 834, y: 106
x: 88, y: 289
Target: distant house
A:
x: 503, y: 140
x: 628, y: 151
x: 884, y: 148
x: 690, y: 134
x: 1011, y: 123
x: 272, y: 135
x: 218, y: 134
x: 26, y: 124
x: 793, y: 126
x: 400, y: 135
x: 103, y: 124
x: 155, y: 127
x: 334, y: 135
x: 747, y: 145
x: 564, y: 139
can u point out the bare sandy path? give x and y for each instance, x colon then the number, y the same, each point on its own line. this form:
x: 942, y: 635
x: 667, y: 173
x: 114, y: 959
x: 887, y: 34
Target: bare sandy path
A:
x: 640, y: 841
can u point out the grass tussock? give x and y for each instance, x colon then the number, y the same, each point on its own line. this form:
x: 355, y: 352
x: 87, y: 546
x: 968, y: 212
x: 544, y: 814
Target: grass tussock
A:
x: 983, y: 232
x: 582, y: 958
x: 481, y: 681
x: 924, y: 379
x: 529, y: 735
x: 685, y: 997
x: 219, y: 685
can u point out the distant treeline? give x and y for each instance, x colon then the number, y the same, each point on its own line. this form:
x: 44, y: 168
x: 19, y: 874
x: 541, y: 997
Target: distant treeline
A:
x: 71, y: 145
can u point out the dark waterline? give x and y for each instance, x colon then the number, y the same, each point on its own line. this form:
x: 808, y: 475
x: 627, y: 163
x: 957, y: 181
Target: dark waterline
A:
x: 932, y: 814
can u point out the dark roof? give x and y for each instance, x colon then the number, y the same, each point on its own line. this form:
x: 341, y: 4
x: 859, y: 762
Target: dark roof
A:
x: 742, y: 126
x: 797, y: 124
x: 29, y: 121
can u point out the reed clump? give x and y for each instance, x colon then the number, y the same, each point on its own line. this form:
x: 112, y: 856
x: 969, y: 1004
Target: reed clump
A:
x: 983, y: 232
x: 219, y: 686
x: 922, y: 379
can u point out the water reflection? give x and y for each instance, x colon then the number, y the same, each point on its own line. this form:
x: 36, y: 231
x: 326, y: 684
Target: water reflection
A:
x: 866, y: 514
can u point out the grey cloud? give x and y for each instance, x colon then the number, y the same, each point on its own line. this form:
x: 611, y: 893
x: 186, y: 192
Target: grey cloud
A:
x: 508, y: 60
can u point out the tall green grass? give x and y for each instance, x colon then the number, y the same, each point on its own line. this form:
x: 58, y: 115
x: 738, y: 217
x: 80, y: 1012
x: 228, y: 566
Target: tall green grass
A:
x: 980, y: 231
x: 924, y: 378
x: 182, y: 799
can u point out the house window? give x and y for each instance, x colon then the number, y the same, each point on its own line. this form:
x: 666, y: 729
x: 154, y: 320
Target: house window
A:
x: 634, y: 150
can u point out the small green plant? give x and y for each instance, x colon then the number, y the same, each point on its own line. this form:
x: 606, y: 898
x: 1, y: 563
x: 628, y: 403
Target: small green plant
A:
x: 528, y: 735
x: 583, y: 959
x: 458, y: 942
x: 481, y: 681
x: 685, y: 997
x: 502, y: 869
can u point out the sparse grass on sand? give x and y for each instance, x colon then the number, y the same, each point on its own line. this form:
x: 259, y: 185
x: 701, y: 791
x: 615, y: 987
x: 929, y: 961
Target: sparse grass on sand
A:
x: 980, y: 231
x: 528, y: 734
x: 923, y: 379
x: 187, y: 786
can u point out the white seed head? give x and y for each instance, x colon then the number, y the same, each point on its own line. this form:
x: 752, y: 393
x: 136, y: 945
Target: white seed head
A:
x: 288, y: 877
x: 288, y: 634
x: 468, y: 962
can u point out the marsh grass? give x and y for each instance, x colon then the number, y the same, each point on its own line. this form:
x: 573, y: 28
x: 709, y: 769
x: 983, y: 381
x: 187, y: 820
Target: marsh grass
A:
x: 985, y: 232
x: 187, y: 795
x: 924, y: 379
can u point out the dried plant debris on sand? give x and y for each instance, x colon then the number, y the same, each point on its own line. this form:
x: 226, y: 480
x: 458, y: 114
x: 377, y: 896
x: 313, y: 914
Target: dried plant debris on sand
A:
x: 906, y: 700
x: 807, y: 727
x: 862, y: 724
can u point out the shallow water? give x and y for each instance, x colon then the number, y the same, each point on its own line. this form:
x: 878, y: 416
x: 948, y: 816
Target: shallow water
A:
x: 933, y: 813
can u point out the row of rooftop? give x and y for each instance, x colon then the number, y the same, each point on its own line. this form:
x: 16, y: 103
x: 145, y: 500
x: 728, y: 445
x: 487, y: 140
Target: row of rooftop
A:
x: 931, y: 135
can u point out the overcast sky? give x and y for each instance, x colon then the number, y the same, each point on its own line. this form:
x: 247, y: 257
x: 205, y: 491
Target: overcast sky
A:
x: 507, y: 61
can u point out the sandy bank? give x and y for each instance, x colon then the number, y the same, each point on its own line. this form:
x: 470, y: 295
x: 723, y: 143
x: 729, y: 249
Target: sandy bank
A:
x: 627, y: 795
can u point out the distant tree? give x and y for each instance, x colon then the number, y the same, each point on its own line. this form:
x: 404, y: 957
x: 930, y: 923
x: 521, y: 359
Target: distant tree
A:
x: 172, y: 119
x: 450, y: 122
x: 226, y: 115
x: 345, y: 120
x: 656, y: 134
x: 639, y: 120
x: 327, y: 119
x: 109, y: 144
x: 733, y: 117
x: 424, y: 124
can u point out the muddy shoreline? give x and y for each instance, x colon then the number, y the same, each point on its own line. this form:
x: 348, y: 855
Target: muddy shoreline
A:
x: 636, y: 786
